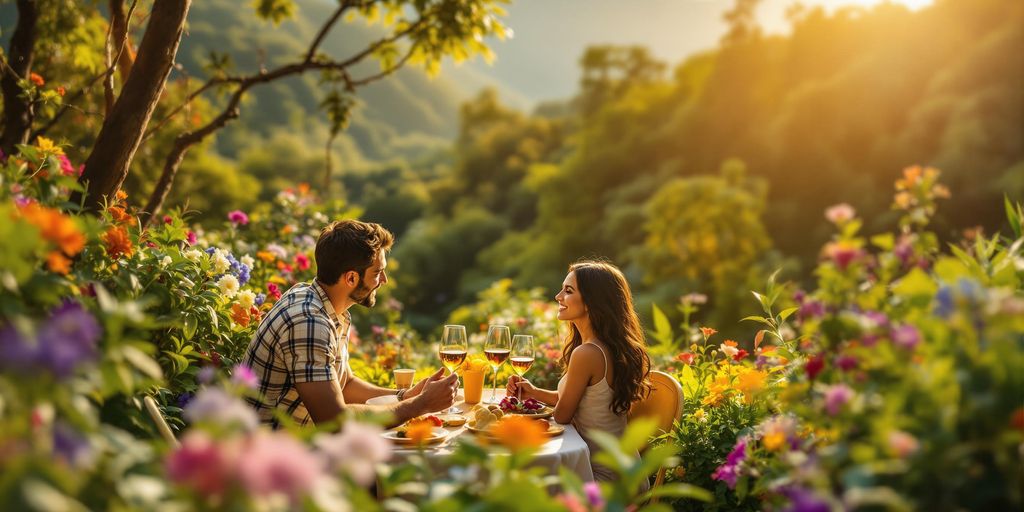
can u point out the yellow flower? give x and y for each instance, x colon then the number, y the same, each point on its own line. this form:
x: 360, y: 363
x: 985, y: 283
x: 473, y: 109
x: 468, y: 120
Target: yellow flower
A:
x: 717, y: 390
x: 699, y: 414
x: 475, y: 362
x: 751, y: 382
x: 47, y: 146
x: 518, y: 433
x: 772, y: 441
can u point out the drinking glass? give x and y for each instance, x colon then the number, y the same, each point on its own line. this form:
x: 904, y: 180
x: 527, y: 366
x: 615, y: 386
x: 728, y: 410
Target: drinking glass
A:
x: 521, y: 356
x: 497, y: 348
x: 453, y: 349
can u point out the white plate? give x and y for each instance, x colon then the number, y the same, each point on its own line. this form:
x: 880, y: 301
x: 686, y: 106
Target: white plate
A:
x: 439, y: 434
x: 383, y: 400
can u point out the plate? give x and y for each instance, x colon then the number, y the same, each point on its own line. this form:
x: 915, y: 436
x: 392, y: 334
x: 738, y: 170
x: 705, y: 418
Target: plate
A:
x: 383, y: 400
x: 452, y: 420
x: 543, y: 413
x: 439, y: 434
x: 554, y: 429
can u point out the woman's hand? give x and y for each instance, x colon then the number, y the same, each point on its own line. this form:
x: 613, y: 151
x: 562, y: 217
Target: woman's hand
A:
x: 517, y: 385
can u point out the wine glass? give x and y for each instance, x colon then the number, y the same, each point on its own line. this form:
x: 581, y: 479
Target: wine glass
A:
x: 453, y: 350
x: 521, y: 357
x: 497, y: 349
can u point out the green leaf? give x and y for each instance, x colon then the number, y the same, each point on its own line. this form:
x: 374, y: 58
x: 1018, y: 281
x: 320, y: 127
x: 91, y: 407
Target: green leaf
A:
x: 637, y: 433
x: 884, y: 241
x: 785, y: 314
x: 142, y: 361
x: 191, y: 324
x: 662, y: 329
x: 756, y: 318
x: 689, y: 381
x: 916, y: 284
x: 1013, y: 215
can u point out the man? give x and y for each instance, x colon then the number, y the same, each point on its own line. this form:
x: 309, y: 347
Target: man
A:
x: 300, y: 350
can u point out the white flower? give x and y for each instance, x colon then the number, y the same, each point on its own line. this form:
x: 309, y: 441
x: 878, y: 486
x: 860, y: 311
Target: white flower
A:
x: 356, y: 450
x: 214, y: 405
x: 729, y: 351
x: 165, y: 261
x: 220, y: 262
x: 246, y: 299
x: 228, y: 285
x: 248, y: 261
x: 194, y: 255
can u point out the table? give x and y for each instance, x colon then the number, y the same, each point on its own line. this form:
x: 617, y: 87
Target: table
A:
x: 567, y: 450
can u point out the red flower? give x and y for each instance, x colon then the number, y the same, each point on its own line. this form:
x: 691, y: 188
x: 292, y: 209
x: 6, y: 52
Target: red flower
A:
x: 814, y: 366
x: 302, y: 261
x: 740, y: 355
x: 273, y: 291
x: 36, y: 79
x: 686, y: 357
x: 168, y: 219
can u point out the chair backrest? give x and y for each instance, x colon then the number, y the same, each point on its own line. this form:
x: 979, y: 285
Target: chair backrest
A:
x: 665, y: 403
x: 158, y: 419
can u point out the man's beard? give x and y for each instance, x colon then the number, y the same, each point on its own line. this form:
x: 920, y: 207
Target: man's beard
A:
x: 368, y: 299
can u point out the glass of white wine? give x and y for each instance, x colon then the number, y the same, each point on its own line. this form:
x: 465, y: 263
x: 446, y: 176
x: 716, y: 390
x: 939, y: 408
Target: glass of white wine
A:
x: 453, y: 349
x: 522, y: 356
x: 497, y: 349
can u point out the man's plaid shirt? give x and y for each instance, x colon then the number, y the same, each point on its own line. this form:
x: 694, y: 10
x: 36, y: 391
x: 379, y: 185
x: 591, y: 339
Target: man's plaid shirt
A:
x: 301, y: 339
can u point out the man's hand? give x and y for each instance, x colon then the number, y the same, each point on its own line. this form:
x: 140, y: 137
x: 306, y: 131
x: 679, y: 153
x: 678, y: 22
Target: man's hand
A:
x: 418, y: 388
x: 438, y: 394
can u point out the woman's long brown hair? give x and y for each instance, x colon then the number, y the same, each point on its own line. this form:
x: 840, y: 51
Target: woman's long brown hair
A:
x: 609, y: 302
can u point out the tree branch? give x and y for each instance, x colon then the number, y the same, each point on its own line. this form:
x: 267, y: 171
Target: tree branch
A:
x: 18, y: 114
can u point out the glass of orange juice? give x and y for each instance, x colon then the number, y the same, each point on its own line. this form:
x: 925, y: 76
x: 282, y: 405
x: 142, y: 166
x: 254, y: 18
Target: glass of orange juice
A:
x: 473, y: 379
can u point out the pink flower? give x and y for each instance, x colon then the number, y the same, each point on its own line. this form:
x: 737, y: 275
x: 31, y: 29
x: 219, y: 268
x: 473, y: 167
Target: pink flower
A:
x: 902, y: 444
x: 593, y: 492
x: 355, y: 451
x: 191, y: 238
x: 836, y: 397
x: 168, y: 219
x: 302, y: 261
x: 238, y: 217
x: 65, y: 166
x: 842, y: 254
x: 906, y: 336
x: 275, y: 463
x: 244, y: 375
x: 840, y: 214
x: 199, y: 464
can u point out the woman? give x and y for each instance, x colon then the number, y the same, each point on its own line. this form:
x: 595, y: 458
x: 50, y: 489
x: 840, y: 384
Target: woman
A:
x: 605, y: 356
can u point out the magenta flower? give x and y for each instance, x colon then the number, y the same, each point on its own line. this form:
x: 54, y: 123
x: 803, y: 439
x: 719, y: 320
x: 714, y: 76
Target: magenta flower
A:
x: 302, y: 261
x: 730, y: 471
x: 199, y: 464
x: 65, y: 166
x: 906, y: 336
x: 593, y: 492
x: 191, y: 238
x: 244, y: 375
x: 238, y: 217
x: 273, y: 291
x: 836, y: 397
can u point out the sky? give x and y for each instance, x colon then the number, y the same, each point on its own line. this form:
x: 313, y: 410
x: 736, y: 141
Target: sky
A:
x: 541, y: 61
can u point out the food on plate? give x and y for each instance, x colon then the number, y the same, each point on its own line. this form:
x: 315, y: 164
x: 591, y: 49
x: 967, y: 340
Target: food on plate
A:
x: 511, y: 404
x: 453, y: 420
x: 421, y: 422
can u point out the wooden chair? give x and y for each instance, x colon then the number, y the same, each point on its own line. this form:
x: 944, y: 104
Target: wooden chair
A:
x: 158, y: 419
x: 664, y: 404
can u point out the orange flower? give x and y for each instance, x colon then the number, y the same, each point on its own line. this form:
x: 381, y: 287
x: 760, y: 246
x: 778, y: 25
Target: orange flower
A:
x: 419, y: 431
x: 730, y: 343
x: 707, y: 332
x: 265, y: 256
x: 58, y: 263
x: 119, y: 215
x: 518, y: 433
x: 303, y: 188
x: 118, y: 243
x: 240, y: 315
x: 36, y: 79
x: 61, y: 91
x: 55, y: 227
x: 772, y: 441
x: 749, y: 383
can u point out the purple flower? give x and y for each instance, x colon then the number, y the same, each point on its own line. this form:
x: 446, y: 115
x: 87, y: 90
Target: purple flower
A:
x: 238, y: 217
x: 944, y: 305
x: 593, y: 492
x: 836, y: 397
x: 903, y: 250
x: 260, y: 299
x: 214, y: 405
x: 729, y: 471
x: 803, y: 500
x: 206, y: 374
x: 184, y: 399
x: 68, y: 339
x: 244, y: 375
x: 846, y: 362
x: 811, y: 309
x: 71, y: 446
x: 906, y: 336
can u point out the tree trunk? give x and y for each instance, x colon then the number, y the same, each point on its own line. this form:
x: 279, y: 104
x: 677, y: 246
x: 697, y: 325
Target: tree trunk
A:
x: 18, y: 113
x: 122, y: 40
x: 107, y: 165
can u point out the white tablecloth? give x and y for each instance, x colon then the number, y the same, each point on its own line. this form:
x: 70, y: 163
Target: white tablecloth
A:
x: 567, y: 450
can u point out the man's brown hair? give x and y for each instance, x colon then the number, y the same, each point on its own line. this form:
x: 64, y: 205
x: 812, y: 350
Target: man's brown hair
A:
x: 347, y: 245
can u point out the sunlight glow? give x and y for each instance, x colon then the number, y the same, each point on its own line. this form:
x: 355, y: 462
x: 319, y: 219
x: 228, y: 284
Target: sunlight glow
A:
x: 910, y: 4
